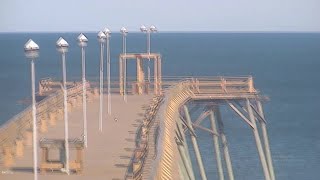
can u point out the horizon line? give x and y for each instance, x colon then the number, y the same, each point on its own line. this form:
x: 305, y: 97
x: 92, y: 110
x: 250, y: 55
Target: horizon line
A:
x: 174, y: 31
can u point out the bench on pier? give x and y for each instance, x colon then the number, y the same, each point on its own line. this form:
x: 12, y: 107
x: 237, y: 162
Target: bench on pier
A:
x: 48, y: 165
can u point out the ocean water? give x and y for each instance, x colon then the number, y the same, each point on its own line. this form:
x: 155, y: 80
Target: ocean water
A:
x: 285, y: 67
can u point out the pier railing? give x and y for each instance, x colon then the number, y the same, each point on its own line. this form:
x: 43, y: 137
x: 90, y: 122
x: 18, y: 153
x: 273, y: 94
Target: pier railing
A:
x: 18, y: 127
x: 166, y: 165
x: 176, y: 89
x: 204, y: 84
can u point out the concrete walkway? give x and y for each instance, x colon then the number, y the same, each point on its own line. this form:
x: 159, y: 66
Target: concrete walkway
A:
x: 108, y: 153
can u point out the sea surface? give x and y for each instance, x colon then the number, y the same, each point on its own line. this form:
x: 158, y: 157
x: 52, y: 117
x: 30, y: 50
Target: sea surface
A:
x: 285, y: 67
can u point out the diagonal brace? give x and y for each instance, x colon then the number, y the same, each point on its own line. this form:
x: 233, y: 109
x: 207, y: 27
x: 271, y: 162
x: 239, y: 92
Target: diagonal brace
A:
x: 235, y: 109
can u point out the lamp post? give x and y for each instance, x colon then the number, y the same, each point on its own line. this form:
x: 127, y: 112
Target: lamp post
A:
x: 62, y: 47
x: 107, y: 32
x: 148, y: 32
x: 124, y: 33
x: 32, y: 52
x: 82, y: 42
x: 102, y: 39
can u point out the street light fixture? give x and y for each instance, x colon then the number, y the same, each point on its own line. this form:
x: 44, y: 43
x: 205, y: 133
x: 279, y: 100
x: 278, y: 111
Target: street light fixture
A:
x: 62, y: 47
x: 82, y: 42
x: 102, y: 39
x: 107, y: 32
x: 32, y: 52
x: 124, y: 33
x: 152, y: 29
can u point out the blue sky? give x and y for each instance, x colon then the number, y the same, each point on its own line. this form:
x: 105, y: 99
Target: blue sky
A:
x: 167, y: 15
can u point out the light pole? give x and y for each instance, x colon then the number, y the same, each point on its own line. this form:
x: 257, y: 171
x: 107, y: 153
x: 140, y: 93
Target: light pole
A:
x: 102, y: 39
x: 82, y: 42
x: 62, y: 47
x: 148, y: 32
x: 124, y: 33
x: 32, y: 52
x: 107, y: 32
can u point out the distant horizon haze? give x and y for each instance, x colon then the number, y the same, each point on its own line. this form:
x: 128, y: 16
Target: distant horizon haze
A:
x: 168, y: 16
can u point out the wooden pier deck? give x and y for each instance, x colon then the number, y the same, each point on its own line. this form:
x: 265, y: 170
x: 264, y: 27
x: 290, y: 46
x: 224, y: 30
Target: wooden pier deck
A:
x: 108, y: 153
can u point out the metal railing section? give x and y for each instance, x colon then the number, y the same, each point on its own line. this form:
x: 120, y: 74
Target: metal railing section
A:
x: 166, y: 164
x: 16, y: 127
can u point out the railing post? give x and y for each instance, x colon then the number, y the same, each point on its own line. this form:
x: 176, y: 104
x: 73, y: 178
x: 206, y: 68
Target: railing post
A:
x: 250, y: 85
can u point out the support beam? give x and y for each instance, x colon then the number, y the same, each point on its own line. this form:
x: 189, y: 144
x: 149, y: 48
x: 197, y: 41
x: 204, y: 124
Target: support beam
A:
x: 186, y: 149
x: 258, y: 114
x: 266, y: 141
x: 224, y: 144
x: 202, y: 117
x: 216, y: 146
x: 183, y: 153
x: 188, y: 127
x: 195, y: 146
x: 205, y: 129
x: 155, y: 71
x: 258, y: 143
x: 239, y: 113
x: 140, y: 76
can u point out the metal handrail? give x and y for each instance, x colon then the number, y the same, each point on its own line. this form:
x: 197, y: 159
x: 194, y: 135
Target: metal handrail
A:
x: 14, y: 127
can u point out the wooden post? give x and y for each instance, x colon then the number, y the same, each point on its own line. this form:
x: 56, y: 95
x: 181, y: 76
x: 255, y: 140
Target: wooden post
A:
x: 8, y: 157
x: 43, y: 125
x: 19, y: 148
x: 155, y: 69
x: 28, y: 137
x: 140, y: 76
x: 52, y: 119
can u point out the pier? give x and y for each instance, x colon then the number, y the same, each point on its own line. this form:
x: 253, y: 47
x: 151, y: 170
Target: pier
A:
x: 143, y: 137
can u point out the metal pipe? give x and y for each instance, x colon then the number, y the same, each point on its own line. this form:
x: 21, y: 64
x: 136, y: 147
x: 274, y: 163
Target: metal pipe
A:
x: 224, y: 144
x: 120, y: 76
x: 65, y: 105
x: 216, y: 145
x: 109, y: 74
x: 258, y: 142
x: 266, y: 141
x: 148, y: 41
x: 149, y: 51
x: 184, y: 159
x: 186, y: 149
x: 101, y: 86
x: 155, y: 71
x: 124, y: 45
x: 34, y: 121
x: 195, y: 145
x: 84, y: 97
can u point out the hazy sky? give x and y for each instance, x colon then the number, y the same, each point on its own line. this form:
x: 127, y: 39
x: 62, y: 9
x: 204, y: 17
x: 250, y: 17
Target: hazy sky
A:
x: 167, y: 15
